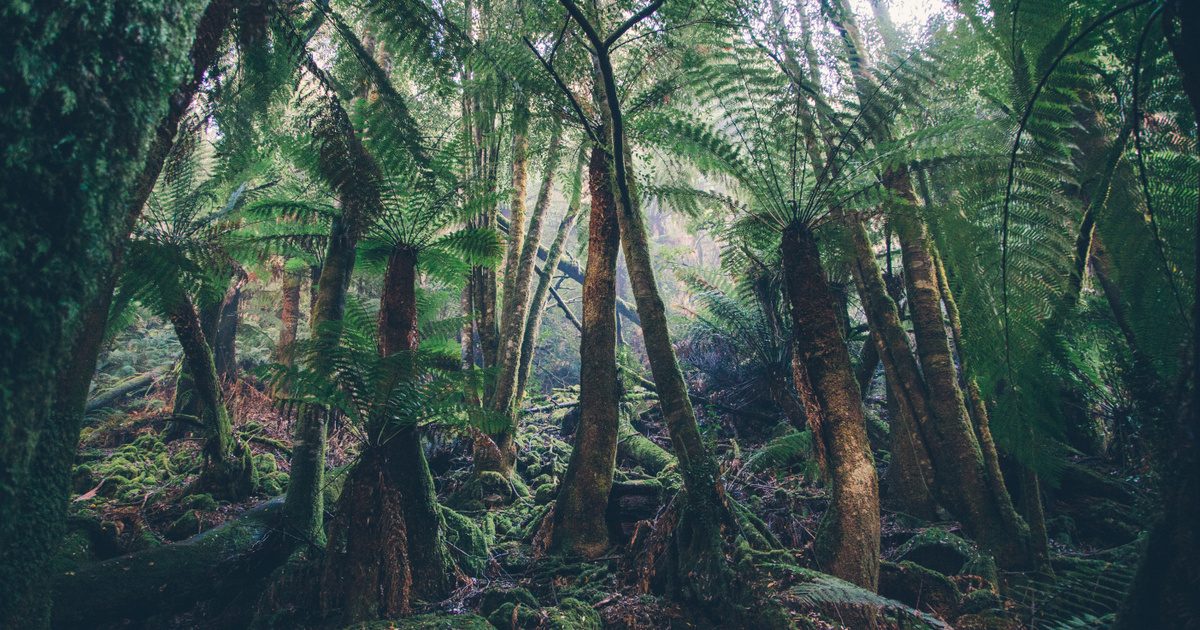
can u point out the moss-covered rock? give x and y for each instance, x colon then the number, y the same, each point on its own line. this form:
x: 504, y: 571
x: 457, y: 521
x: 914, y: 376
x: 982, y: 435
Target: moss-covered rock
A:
x: 919, y: 587
x: 202, y: 501
x: 435, y: 621
x: 186, y: 526
x: 496, y: 596
x: 468, y: 543
x: 572, y: 614
x: 545, y: 494
x: 937, y: 549
x: 980, y: 601
x: 987, y: 622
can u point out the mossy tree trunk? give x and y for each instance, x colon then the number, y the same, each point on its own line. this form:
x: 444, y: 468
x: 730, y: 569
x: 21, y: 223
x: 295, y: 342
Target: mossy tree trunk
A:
x: 983, y: 503
x: 911, y: 479
x: 227, y: 471
x: 354, y: 174
x: 533, y: 323
x: 579, y: 526
x: 386, y: 543
x: 63, y: 242
x: 848, y: 543
x: 506, y: 398
x: 289, y: 317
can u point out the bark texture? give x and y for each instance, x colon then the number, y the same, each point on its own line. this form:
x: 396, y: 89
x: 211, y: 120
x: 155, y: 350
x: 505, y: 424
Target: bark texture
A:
x: 848, y: 543
x: 386, y: 544
x: 61, y: 243
x: 579, y: 526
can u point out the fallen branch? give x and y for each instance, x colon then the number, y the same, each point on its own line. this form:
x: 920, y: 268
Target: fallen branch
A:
x: 123, y: 389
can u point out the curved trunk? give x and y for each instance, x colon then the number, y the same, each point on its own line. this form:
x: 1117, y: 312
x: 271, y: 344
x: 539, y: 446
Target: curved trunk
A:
x: 225, y: 473
x: 579, y: 525
x: 225, y: 344
x: 979, y: 499
x: 911, y: 477
x: 848, y: 543
x: 345, y: 161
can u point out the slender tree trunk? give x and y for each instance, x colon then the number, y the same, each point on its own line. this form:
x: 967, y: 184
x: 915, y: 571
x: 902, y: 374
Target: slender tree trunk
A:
x: 227, y: 472
x: 579, y: 526
x: 66, y: 241
x: 225, y: 344
x: 289, y: 318
x: 386, y: 542
x: 911, y: 477
x: 345, y: 161
x: 545, y: 277
x: 507, y: 397
x: 848, y: 543
x: 983, y: 504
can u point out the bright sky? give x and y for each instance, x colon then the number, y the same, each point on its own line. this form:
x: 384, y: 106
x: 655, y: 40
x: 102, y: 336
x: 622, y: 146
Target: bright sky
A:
x: 909, y: 15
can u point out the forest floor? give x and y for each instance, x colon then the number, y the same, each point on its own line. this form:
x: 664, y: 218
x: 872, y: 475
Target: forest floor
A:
x: 129, y: 497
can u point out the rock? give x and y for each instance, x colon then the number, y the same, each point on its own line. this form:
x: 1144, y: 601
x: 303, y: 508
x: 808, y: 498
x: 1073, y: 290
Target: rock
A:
x: 199, y: 502
x: 495, y: 597
x: 980, y: 601
x: 467, y: 541
x: 572, y: 614
x: 987, y: 622
x: 937, y: 549
x: 185, y: 526
x: 545, y: 494
x: 919, y: 587
x: 435, y: 621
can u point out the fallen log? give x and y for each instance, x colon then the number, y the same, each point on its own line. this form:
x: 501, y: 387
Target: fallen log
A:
x: 122, y: 389
x: 173, y: 578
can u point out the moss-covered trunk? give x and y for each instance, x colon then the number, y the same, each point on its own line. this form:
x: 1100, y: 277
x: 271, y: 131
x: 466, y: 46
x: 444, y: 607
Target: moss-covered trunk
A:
x: 983, y: 503
x: 289, y: 317
x: 848, y: 543
x: 579, y: 525
x: 345, y: 162
x: 533, y: 322
x: 386, y: 543
x: 911, y: 480
x: 116, y: 64
x: 227, y: 471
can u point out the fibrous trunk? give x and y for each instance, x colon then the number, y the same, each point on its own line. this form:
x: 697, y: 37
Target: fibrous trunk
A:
x: 579, y: 525
x: 848, y: 543
x: 386, y: 545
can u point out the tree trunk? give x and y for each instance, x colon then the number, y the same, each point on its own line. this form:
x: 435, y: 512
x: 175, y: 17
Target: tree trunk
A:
x: 911, y: 478
x: 533, y: 323
x: 386, y: 541
x: 64, y: 242
x: 227, y: 471
x: 225, y: 344
x: 579, y: 525
x: 982, y: 503
x: 848, y: 543
x: 345, y: 162
x: 1163, y: 592
x: 507, y: 397
x: 289, y: 318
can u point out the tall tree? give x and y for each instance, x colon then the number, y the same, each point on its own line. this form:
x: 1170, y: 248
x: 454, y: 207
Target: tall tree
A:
x: 73, y: 112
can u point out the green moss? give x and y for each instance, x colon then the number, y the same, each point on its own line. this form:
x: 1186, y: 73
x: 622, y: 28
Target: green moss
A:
x: 468, y: 543
x: 545, y: 494
x: 572, y: 614
x: 495, y: 597
x: 199, y: 502
x: 437, y: 621
x: 265, y: 463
